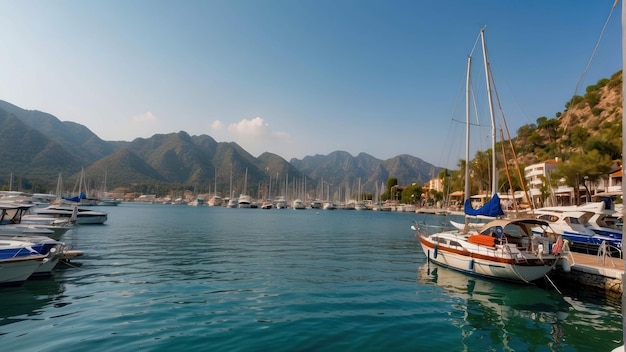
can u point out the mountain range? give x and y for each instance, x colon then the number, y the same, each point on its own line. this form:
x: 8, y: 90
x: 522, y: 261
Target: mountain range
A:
x: 35, y: 147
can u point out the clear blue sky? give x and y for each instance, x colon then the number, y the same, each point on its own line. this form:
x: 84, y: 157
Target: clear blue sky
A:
x: 297, y: 77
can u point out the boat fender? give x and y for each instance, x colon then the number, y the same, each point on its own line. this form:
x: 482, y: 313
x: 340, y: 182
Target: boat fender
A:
x: 565, y: 265
x: 435, y: 251
x: 471, y: 265
x: 556, y: 249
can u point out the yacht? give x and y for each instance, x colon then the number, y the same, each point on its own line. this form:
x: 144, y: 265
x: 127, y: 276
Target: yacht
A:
x: 298, y: 204
x: 244, y: 201
x: 574, y: 226
x: 281, y: 203
x: 78, y: 214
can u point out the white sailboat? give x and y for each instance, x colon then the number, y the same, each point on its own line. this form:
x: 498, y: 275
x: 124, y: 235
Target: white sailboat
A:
x: 105, y: 199
x: 501, y: 249
x: 244, y: 200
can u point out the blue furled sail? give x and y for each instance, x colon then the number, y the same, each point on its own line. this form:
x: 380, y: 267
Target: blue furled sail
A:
x: 76, y: 199
x: 491, y: 208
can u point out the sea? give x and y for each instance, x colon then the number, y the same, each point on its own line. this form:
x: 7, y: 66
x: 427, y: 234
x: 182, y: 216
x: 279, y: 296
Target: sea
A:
x: 180, y: 278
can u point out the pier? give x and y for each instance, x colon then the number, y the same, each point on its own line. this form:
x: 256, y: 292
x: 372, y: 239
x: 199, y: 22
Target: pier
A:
x: 601, y: 273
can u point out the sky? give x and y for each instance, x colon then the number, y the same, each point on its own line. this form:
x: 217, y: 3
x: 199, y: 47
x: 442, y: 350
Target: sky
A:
x: 301, y: 77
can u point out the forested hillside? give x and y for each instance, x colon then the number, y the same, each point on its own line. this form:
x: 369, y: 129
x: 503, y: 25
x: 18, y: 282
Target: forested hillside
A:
x: 585, y: 138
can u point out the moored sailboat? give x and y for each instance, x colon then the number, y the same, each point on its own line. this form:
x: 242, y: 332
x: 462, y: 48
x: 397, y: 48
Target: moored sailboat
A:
x: 501, y: 249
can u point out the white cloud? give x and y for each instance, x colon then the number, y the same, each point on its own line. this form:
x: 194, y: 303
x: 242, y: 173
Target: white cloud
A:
x: 254, y: 127
x: 217, y: 125
x: 144, y: 117
x: 256, y: 136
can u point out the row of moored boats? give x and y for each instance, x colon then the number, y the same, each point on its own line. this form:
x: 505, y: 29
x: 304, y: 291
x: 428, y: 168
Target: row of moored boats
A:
x: 30, y: 238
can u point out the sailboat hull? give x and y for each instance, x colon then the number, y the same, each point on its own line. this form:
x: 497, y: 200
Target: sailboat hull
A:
x: 503, y: 250
x: 489, y: 266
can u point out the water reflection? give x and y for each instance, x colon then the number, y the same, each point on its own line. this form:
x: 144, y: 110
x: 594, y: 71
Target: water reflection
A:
x: 500, y: 315
x: 30, y: 300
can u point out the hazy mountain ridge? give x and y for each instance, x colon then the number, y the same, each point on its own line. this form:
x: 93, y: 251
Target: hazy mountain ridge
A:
x: 77, y: 139
x: 39, y: 146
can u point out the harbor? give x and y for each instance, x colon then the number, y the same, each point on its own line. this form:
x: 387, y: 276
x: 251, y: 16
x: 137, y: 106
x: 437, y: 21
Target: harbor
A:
x: 161, y: 277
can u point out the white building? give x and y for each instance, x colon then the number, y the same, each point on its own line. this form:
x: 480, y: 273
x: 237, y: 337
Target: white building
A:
x: 536, y: 175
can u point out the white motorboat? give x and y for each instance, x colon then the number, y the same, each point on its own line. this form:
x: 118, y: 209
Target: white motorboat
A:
x: 11, y: 221
x: 232, y: 203
x: 329, y: 206
x: 244, y: 201
x: 23, y: 244
x: 20, y: 259
x: 109, y: 202
x: 316, y: 204
x: 216, y: 201
x: 280, y: 202
x: 574, y: 226
x: 198, y: 202
x: 81, y: 215
x: 298, y: 204
x: 14, y: 271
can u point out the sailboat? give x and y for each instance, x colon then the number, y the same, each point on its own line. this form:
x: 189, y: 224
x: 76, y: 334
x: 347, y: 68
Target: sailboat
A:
x: 216, y: 200
x: 244, y: 200
x: 501, y: 249
x: 106, y: 200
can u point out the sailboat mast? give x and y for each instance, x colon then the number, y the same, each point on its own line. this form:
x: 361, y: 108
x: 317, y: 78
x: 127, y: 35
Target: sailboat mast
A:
x: 494, y: 172
x: 467, y: 129
x: 245, y: 183
x: 623, y: 155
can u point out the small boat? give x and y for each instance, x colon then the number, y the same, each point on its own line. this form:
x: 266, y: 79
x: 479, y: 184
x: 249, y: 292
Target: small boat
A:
x: 298, y: 204
x: 232, y: 203
x: 15, y: 271
x: 216, y: 201
x: 280, y: 202
x: 20, y: 259
x: 329, y: 206
x: 502, y: 249
x: 12, y: 221
x: 267, y: 204
x: 362, y: 206
x: 198, y: 202
x: 316, y: 204
x: 109, y: 202
x: 80, y: 214
x: 244, y: 201
x: 51, y: 249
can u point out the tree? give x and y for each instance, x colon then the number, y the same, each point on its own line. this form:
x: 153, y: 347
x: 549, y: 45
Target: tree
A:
x: 578, y: 136
x: 603, y: 147
x: 411, y: 194
x: 550, y: 127
x: 575, y: 100
x: 391, y: 182
x: 592, y: 164
x: 481, y: 170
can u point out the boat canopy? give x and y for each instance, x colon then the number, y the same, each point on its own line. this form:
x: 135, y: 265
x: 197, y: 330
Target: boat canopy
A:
x: 491, y: 208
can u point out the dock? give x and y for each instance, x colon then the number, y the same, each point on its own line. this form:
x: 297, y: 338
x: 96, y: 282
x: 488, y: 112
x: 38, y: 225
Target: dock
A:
x: 602, y: 273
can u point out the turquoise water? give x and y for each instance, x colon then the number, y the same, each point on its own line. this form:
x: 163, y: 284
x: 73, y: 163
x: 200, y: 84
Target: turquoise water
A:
x: 165, y: 277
